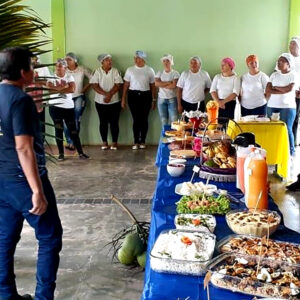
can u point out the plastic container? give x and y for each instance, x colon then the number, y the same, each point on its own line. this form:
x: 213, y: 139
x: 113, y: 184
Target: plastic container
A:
x: 241, y: 155
x: 212, y: 109
x: 244, y: 221
x: 250, y: 245
x: 244, y: 283
x: 167, y: 247
x: 196, y: 123
x: 195, y: 222
x: 256, y: 180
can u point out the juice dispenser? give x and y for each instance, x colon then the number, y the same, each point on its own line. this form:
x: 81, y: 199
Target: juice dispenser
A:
x: 241, y: 154
x: 256, y: 180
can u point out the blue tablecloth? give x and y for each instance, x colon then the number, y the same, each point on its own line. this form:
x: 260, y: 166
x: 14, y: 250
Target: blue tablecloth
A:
x: 161, y: 286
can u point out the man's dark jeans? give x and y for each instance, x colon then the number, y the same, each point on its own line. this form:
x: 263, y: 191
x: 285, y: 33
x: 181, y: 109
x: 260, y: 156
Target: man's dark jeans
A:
x: 15, y: 201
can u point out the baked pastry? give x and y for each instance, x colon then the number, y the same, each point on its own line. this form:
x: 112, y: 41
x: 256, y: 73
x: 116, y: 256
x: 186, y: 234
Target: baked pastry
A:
x: 258, y: 223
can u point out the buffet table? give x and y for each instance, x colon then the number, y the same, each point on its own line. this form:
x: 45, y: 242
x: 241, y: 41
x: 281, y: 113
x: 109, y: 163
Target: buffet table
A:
x: 272, y: 136
x: 162, y: 286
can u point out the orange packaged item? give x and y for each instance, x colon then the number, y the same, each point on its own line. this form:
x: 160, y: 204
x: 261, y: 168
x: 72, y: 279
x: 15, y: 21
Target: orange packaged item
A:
x: 256, y: 181
x: 212, y: 108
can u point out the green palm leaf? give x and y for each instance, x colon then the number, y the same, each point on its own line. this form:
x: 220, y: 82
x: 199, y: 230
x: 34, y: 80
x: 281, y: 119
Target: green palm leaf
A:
x: 21, y: 26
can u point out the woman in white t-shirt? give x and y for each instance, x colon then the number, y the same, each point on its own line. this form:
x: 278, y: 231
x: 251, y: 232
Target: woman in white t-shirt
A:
x: 253, y: 88
x: 139, y: 83
x: 79, y: 73
x: 225, y: 88
x: 106, y: 82
x: 62, y: 108
x: 192, y: 87
x: 295, y: 51
x: 166, y: 81
x: 281, y: 93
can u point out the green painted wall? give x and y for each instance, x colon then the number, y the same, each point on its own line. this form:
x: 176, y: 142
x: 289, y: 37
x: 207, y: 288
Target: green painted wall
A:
x: 294, y: 29
x: 58, y: 28
x: 43, y: 9
x: 211, y: 29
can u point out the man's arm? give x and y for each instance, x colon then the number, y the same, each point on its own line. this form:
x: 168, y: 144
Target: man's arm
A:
x: 26, y: 155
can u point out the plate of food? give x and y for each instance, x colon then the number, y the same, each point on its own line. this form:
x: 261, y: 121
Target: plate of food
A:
x: 185, y: 153
x: 186, y: 138
x: 180, y: 145
x: 204, y: 204
x: 175, y: 133
x: 253, y: 222
x: 195, y: 222
x: 213, y: 134
x: 219, y: 157
x: 188, y: 188
x: 181, y: 125
x: 251, y: 245
x: 256, y: 276
x: 182, y: 252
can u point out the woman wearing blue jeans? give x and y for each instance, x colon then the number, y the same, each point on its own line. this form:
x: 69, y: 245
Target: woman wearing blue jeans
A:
x: 79, y: 73
x: 281, y: 93
x: 166, y: 81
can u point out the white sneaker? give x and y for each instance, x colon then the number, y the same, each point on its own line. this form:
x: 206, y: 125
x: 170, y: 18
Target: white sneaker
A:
x: 142, y: 146
x: 135, y: 147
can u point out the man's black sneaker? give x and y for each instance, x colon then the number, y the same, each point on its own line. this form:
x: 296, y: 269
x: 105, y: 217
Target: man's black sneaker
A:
x: 61, y: 157
x: 83, y: 156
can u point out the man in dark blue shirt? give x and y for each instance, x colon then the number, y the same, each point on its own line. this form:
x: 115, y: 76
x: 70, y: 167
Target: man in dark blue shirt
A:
x: 25, y: 190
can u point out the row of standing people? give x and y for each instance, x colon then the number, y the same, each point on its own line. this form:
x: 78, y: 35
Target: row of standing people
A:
x: 258, y: 93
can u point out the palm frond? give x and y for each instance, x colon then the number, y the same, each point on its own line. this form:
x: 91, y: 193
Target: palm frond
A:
x: 21, y: 26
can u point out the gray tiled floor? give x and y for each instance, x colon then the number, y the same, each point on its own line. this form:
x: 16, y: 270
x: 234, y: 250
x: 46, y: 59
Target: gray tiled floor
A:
x: 83, y: 189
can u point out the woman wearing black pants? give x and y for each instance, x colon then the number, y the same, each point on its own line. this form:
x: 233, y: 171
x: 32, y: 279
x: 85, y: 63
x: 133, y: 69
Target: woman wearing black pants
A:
x: 140, y: 104
x: 109, y: 115
x: 139, y: 79
x: 62, y: 108
x: 106, y: 82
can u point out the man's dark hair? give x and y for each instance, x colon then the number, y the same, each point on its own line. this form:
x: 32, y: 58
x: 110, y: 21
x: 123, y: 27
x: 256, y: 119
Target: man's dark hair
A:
x: 12, y: 61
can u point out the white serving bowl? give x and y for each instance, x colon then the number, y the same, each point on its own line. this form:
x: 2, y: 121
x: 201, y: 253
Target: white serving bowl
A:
x: 175, y: 169
x: 177, y: 161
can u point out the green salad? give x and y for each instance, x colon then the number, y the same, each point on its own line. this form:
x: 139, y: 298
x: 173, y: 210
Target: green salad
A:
x: 203, y: 204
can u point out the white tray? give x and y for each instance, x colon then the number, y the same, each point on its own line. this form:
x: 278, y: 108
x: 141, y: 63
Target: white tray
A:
x: 179, y: 186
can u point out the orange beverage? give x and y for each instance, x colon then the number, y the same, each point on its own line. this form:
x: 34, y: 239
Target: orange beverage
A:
x: 212, y: 109
x: 256, y: 181
x: 241, y: 155
x: 240, y: 161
